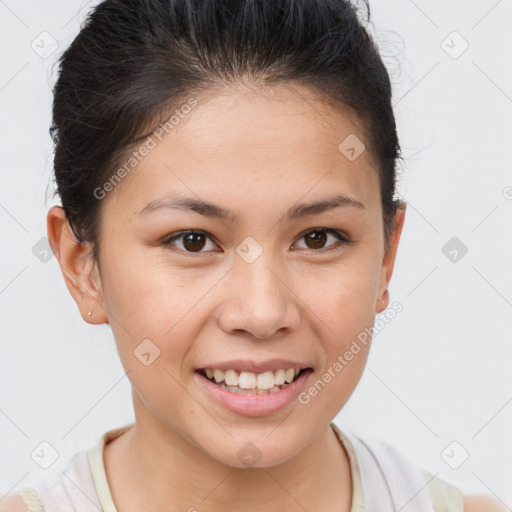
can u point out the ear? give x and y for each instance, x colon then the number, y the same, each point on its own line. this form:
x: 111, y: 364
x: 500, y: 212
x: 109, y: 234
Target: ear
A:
x: 77, y: 265
x: 388, y: 261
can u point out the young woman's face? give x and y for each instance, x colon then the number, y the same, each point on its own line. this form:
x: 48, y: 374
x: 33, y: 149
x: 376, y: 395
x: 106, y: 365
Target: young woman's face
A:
x: 256, y: 286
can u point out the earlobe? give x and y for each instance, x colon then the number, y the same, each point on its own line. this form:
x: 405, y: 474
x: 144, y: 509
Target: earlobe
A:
x: 382, y: 302
x: 77, y: 266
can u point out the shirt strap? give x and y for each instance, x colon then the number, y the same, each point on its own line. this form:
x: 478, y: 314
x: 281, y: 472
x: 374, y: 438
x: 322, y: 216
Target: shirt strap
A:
x: 391, y: 481
x: 31, y: 499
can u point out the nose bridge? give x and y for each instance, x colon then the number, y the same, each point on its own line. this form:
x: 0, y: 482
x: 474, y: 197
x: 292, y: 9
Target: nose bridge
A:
x: 260, y: 302
x: 256, y: 270
x: 262, y: 285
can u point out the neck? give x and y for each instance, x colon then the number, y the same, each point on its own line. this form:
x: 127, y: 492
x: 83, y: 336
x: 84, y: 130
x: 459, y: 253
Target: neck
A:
x: 150, y: 467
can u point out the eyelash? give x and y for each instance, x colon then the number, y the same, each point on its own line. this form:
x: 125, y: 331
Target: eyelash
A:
x: 342, y: 239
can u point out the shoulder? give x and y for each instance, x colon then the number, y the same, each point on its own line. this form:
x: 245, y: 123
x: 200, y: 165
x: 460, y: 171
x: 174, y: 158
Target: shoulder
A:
x: 25, y: 499
x: 483, y: 503
x: 446, y: 496
x: 13, y: 503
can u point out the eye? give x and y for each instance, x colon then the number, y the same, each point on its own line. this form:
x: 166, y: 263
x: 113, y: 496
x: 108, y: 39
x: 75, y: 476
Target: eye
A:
x: 192, y: 241
x: 317, y: 238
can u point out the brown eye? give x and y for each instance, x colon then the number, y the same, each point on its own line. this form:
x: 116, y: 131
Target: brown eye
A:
x: 316, y: 239
x: 191, y: 241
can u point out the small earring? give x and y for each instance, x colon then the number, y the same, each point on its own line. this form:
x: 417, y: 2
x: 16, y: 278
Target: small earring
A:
x: 90, y: 313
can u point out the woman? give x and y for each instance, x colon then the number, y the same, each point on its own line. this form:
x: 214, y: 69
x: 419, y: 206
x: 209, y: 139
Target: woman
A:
x: 227, y: 177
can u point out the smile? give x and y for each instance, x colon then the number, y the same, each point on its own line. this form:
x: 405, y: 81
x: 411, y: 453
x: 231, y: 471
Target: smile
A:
x: 250, y: 383
x: 249, y: 393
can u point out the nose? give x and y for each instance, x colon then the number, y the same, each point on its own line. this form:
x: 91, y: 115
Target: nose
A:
x: 259, y: 300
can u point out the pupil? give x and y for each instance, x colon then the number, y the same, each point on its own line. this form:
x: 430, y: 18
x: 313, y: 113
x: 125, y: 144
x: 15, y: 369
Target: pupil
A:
x: 320, y: 238
x: 193, y: 239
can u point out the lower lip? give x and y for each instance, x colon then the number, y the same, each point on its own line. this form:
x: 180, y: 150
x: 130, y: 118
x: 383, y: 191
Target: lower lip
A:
x: 253, y: 405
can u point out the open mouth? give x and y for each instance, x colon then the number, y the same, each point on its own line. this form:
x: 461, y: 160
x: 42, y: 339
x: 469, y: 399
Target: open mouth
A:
x: 249, y: 383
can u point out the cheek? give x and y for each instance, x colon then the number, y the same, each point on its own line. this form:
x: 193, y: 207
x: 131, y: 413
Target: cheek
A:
x: 145, y: 293
x: 344, y: 301
x: 152, y: 311
x: 343, y: 296
x: 143, y: 302
x: 344, y: 306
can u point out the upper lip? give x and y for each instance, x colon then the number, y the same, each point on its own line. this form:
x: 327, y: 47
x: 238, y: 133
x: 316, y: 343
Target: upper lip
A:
x: 248, y: 365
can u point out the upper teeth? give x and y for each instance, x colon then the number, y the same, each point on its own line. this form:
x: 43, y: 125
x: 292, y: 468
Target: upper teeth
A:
x: 250, y: 380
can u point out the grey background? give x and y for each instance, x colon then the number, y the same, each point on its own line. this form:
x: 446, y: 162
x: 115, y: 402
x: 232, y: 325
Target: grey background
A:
x: 437, y: 373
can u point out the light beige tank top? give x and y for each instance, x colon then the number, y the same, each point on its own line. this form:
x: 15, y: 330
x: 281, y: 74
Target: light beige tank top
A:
x: 87, y: 471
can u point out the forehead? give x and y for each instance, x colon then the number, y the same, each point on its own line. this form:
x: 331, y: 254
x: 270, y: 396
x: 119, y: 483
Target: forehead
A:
x: 242, y: 147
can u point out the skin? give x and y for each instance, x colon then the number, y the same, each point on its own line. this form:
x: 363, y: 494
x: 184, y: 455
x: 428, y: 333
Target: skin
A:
x: 259, y: 155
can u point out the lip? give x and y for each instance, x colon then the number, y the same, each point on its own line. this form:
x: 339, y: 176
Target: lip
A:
x: 253, y: 405
x: 248, y: 365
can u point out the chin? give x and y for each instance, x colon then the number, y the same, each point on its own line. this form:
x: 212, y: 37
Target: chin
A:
x: 255, y: 447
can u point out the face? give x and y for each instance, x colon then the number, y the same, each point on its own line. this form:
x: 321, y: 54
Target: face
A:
x: 269, y: 285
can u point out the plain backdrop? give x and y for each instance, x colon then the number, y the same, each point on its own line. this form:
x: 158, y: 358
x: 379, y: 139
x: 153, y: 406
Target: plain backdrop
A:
x: 437, y: 385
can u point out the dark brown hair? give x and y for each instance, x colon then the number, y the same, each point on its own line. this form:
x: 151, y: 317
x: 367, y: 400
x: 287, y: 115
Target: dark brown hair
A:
x: 134, y: 61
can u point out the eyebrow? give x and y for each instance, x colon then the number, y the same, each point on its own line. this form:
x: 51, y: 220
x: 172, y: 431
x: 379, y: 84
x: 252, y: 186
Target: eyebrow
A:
x: 217, y: 212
